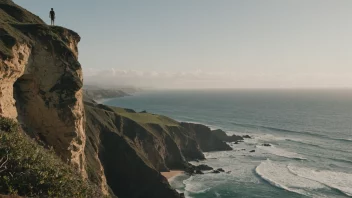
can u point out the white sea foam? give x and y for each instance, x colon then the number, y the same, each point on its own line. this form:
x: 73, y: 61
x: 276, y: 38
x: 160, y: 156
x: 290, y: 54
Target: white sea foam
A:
x: 277, y: 174
x: 281, y: 152
x: 175, y: 181
x: 195, y: 187
x: 215, y: 155
x: 260, y: 138
x: 337, y: 180
x: 344, y: 139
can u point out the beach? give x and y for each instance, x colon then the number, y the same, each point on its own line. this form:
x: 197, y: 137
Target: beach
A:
x: 171, y: 173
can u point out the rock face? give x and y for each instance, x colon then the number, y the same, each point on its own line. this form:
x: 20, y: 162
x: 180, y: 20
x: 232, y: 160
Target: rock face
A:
x: 205, y: 137
x: 41, y: 81
x: 131, y: 155
x: 220, y: 134
x: 134, y: 147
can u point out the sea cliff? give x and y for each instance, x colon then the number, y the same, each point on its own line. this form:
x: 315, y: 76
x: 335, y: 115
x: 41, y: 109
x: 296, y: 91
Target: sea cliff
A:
x: 116, y: 151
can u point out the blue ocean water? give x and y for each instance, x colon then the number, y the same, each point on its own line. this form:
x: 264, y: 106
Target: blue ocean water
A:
x: 310, y: 132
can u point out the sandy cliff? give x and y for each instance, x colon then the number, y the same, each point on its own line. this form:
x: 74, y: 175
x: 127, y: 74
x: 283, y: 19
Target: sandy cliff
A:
x: 41, y: 81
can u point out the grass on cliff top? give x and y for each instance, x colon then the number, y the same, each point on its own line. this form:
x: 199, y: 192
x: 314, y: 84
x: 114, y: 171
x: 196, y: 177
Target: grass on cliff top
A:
x: 146, y: 118
x: 10, y: 13
x: 15, y: 20
x: 29, y: 170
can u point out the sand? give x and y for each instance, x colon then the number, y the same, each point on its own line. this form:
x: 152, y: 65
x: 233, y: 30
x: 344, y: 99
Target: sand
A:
x: 172, y: 173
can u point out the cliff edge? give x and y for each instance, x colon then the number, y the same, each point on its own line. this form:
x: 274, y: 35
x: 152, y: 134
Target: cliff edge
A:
x: 41, y: 82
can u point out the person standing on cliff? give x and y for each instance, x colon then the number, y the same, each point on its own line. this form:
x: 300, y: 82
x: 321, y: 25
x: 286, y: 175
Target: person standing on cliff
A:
x: 52, y: 16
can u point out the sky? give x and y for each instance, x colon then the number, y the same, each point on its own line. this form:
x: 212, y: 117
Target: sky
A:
x: 209, y: 43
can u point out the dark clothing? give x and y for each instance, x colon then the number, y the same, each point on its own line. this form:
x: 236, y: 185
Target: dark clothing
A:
x: 52, y: 15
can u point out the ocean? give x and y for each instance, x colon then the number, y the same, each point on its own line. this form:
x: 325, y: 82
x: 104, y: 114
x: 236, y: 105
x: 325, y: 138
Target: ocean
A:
x: 310, y: 132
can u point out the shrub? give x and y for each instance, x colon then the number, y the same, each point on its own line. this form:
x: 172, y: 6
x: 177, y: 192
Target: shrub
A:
x: 8, y: 125
x: 27, y: 169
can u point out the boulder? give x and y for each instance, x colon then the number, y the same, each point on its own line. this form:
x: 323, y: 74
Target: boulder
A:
x: 220, y: 170
x: 215, y: 171
x: 203, y: 167
x: 221, y: 135
x: 199, y: 172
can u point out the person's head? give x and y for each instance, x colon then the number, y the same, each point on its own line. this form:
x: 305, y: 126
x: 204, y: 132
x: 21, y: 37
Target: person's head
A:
x: 52, y: 9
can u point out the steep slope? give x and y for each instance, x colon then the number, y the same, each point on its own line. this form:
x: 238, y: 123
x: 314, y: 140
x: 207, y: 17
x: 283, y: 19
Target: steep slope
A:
x: 41, y: 81
x: 165, y: 143
x: 41, y: 88
x: 134, y: 147
x: 29, y: 170
x: 128, y: 171
x: 205, y: 137
x: 221, y: 135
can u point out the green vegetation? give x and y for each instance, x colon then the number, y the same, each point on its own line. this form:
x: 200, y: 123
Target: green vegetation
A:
x: 27, y: 169
x: 11, y: 14
x: 17, y: 25
x: 145, y: 118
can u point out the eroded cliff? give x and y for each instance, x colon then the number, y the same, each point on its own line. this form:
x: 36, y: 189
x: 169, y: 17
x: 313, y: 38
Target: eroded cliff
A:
x: 41, y: 81
x: 130, y: 155
x: 134, y: 147
x: 206, y: 139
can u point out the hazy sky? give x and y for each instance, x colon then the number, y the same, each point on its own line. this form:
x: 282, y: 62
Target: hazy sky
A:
x: 210, y: 43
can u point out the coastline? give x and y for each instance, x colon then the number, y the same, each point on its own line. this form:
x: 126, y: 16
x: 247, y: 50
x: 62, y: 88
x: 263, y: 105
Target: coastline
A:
x: 280, y: 152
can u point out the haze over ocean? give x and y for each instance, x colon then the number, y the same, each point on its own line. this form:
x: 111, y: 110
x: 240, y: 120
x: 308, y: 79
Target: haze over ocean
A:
x: 209, y: 44
x: 310, y: 132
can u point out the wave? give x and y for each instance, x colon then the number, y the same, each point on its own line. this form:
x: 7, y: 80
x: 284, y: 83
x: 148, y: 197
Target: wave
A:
x: 316, y: 146
x: 278, y: 175
x: 195, y: 187
x: 336, y: 180
x: 292, y: 131
x: 281, y: 152
x: 303, y: 180
x: 349, y: 140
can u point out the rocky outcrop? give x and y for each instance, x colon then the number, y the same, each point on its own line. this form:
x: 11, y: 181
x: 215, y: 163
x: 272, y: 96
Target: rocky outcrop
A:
x: 130, y: 154
x: 135, y: 147
x: 41, y: 81
x: 221, y: 135
x: 205, y: 138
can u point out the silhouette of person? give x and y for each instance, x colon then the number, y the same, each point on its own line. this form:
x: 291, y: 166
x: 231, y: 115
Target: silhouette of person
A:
x: 52, y: 16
